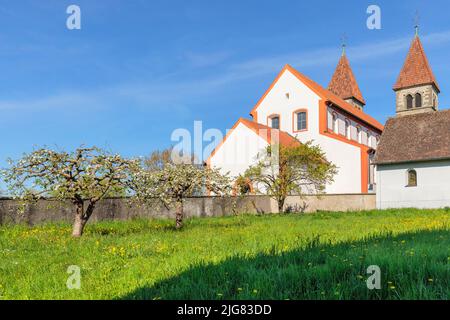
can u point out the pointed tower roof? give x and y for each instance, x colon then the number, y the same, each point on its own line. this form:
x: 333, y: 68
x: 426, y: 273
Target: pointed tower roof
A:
x: 343, y: 83
x: 416, y: 70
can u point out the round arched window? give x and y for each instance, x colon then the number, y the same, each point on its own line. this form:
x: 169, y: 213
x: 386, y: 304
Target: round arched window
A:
x: 409, y: 101
x: 418, y: 101
x: 412, y: 178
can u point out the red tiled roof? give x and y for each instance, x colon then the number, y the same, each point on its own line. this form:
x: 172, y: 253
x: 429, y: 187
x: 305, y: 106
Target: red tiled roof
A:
x: 263, y: 131
x: 343, y: 82
x: 325, y: 95
x: 337, y: 101
x: 417, y: 137
x: 416, y: 69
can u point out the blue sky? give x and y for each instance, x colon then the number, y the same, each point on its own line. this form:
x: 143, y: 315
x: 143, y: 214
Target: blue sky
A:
x: 139, y: 69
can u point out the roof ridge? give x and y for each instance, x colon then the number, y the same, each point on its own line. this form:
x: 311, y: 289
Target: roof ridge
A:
x: 284, y: 137
x: 360, y: 114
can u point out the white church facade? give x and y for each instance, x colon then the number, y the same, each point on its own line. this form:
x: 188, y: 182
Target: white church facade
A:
x: 301, y: 110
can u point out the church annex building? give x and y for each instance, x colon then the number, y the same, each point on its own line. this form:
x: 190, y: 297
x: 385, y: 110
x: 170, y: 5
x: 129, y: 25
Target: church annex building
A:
x: 413, y: 158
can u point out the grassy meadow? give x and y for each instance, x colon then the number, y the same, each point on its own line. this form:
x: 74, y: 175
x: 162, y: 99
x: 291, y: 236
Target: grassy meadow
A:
x: 296, y: 256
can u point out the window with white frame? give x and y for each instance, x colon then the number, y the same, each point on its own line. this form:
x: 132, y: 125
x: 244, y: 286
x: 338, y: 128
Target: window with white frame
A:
x: 335, y: 123
x: 347, y: 129
x: 358, y: 134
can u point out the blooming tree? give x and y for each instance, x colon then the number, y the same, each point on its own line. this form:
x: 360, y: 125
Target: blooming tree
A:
x: 295, y: 170
x: 169, y: 182
x: 83, y: 177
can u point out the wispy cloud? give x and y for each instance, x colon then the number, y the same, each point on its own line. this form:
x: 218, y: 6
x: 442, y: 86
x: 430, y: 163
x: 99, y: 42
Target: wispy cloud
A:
x: 201, y: 60
x: 175, y: 90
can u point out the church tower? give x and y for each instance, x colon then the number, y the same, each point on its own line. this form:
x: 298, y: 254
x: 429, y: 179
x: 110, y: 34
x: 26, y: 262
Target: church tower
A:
x: 344, y: 85
x: 416, y: 87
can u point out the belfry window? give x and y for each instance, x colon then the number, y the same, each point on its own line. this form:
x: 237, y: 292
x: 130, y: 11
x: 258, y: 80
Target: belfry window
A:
x: 412, y: 178
x: 418, y: 101
x: 409, y: 101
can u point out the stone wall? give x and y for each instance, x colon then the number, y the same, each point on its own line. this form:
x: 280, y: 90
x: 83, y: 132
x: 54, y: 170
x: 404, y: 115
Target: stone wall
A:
x: 123, y: 209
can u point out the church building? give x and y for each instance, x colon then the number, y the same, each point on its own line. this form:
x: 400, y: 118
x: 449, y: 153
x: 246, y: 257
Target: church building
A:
x: 300, y: 110
x: 413, y: 157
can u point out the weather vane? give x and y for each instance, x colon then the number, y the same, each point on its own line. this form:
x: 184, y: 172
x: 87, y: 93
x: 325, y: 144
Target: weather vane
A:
x: 344, y: 42
x: 416, y: 22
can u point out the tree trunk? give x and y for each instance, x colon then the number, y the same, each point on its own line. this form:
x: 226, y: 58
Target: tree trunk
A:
x: 179, y: 215
x: 78, y: 226
x: 81, y: 218
x: 281, y: 205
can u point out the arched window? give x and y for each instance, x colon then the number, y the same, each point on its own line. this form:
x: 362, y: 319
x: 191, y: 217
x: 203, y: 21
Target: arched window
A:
x: 335, y: 123
x: 358, y: 134
x: 412, y: 178
x: 409, y: 101
x: 418, y: 99
x: 347, y: 129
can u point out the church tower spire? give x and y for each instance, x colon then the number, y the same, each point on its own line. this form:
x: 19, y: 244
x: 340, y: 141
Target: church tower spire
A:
x: 343, y: 83
x: 416, y: 88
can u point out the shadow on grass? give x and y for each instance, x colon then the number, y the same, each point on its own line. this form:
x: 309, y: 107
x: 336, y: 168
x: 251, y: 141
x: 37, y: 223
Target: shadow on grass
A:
x: 413, y: 266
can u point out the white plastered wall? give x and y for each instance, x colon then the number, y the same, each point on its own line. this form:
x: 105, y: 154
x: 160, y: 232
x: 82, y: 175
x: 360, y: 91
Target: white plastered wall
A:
x: 239, y: 151
x: 432, y: 191
x: 347, y: 157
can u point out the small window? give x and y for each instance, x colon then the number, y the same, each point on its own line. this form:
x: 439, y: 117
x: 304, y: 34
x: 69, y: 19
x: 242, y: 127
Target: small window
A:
x: 275, y: 122
x: 347, y: 129
x: 302, y: 121
x: 418, y: 99
x: 358, y: 134
x: 412, y: 178
x: 409, y: 101
x: 335, y: 124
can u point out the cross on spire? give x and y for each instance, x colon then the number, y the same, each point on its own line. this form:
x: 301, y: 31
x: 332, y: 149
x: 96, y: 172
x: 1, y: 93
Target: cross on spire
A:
x: 344, y: 43
x: 416, y: 22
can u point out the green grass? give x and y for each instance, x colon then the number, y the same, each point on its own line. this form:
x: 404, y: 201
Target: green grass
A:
x: 316, y: 256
